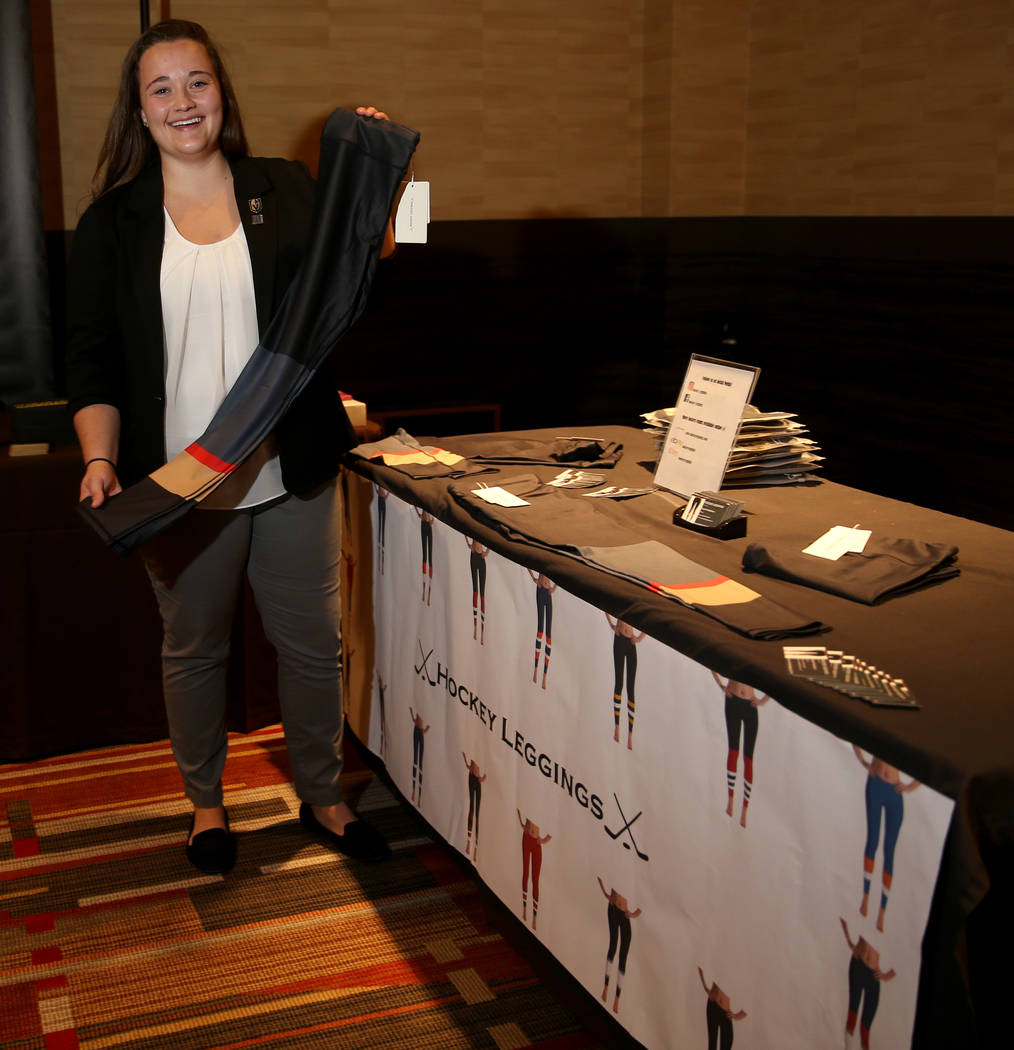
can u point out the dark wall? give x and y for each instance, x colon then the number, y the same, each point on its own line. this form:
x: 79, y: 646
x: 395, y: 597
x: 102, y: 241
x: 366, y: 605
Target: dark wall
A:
x: 893, y: 339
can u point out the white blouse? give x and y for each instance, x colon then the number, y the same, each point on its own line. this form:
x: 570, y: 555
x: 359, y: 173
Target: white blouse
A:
x: 209, y: 317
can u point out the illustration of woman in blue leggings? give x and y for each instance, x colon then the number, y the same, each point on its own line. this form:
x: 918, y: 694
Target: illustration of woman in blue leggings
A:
x: 544, y: 588
x: 624, y: 654
x: 618, y: 916
x: 884, y: 791
x: 417, y: 752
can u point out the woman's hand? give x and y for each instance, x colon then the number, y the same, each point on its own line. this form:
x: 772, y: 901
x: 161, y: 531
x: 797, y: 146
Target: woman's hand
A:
x: 371, y: 111
x: 99, y: 483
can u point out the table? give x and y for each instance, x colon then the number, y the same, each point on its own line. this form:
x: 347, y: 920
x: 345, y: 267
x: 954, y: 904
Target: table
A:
x: 947, y: 641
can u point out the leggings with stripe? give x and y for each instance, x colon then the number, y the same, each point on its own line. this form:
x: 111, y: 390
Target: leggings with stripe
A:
x: 624, y: 652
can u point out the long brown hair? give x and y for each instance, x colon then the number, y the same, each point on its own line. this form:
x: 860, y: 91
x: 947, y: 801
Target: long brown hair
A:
x: 128, y: 147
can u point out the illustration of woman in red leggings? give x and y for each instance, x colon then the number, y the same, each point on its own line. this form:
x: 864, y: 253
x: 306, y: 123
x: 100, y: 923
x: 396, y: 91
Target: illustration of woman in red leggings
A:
x: 719, y: 1016
x: 865, y: 977
x: 884, y: 791
x: 624, y: 653
x: 531, y: 858
x: 741, y: 703
x: 477, y: 564
x: 426, y: 535
x: 544, y: 588
x: 474, y: 799
x: 618, y: 915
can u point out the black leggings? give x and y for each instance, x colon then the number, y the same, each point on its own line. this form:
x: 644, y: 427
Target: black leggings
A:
x: 474, y: 798
x: 426, y: 533
x: 624, y: 650
x: 740, y: 712
x: 477, y: 564
x: 619, y: 929
x: 863, y: 985
x: 544, y: 608
x: 719, y: 1027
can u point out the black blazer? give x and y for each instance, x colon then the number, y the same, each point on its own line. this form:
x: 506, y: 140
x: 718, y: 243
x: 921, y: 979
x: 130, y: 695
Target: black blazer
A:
x: 115, y: 351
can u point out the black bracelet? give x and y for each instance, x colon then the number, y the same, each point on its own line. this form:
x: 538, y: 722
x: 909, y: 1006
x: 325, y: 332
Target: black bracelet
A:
x: 100, y: 459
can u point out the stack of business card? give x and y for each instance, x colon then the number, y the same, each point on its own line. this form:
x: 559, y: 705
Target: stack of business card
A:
x: 847, y: 674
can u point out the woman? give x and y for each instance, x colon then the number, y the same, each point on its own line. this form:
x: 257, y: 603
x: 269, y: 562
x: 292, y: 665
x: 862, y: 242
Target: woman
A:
x: 741, y: 717
x: 183, y: 256
x: 475, y: 779
x: 531, y: 860
x: 544, y: 588
x: 865, y: 978
x: 885, y: 791
x: 618, y: 915
x: 624, y: 654
x: 477, y: 567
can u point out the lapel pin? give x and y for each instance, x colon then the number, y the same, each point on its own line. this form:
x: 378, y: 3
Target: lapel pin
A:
x: 256, y: 210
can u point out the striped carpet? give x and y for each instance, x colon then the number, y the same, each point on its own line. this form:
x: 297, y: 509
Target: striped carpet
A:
x: 109, y: 939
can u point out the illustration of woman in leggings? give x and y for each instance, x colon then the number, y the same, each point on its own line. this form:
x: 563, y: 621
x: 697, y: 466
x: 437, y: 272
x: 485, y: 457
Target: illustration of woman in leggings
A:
x: 865, y: 976
x: 382, y: 495
x: 741, y: 703
x: 618, y: 916
x: 474, y: 799
x: 719, y: 1016
x: 884, y: 791
x: 624, y: 653
x: 426, y: 534
x: 383, y: 717
x: 477, y: 563
x: 544, y: 588
x: 417, y: 751
x: 531, y: 858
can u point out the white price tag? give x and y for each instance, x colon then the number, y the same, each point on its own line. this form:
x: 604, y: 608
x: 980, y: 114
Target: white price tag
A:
x: 413, y: 214
x: 837, y: 541
x: 500, y: 497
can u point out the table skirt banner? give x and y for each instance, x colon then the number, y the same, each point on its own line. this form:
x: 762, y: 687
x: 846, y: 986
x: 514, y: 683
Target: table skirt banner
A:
x: 709, y: 865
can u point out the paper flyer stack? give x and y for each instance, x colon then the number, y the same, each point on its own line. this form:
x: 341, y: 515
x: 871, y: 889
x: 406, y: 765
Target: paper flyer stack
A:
x: 771, y: 448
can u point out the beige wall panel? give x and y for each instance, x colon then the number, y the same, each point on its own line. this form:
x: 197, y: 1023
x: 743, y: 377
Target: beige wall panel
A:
x: 710, y: 80
x: 608, y: 107
x: 888, y: 108
x: 524, y: 108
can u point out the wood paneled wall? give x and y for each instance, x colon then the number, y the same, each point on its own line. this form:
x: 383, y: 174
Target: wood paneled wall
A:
x: 603, y: 107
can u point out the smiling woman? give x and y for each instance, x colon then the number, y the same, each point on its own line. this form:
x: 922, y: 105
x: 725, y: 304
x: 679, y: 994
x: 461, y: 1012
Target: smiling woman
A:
x: 128, y: 147
x: 181, y: 260
x: 181, y: 104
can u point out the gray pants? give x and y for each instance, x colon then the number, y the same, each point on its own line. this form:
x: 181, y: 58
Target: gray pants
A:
x: 290, y: 550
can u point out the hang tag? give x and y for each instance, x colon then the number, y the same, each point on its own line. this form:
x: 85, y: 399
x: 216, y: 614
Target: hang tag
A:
x: 500, y: 497
x: 413, y: 214
x: 839, y: 540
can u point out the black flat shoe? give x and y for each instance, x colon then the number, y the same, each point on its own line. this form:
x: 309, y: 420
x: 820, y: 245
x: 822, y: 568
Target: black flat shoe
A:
x: 212, y: 851
x: 360, y: 840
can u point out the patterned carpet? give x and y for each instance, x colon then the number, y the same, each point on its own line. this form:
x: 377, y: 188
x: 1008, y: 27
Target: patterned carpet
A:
x: 108, y: 938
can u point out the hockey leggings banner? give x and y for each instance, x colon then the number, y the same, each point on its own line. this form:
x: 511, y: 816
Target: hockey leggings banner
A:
x: 362, y: 163
x: 713, y: 868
